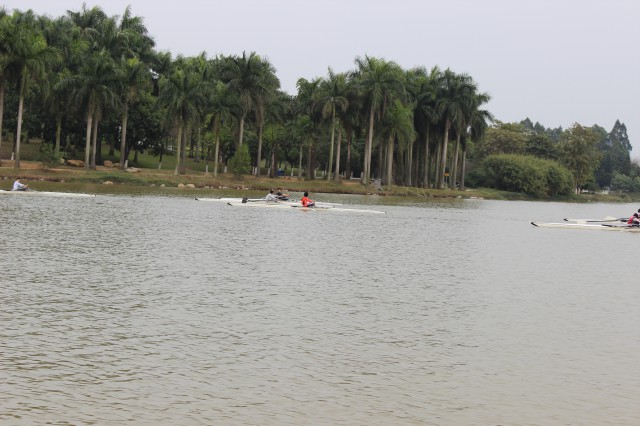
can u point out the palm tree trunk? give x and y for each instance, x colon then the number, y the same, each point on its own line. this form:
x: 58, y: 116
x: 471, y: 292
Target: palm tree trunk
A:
x: 367, y: 150
x: 215, y: 164
x: 183, y: 150
x: 389, y: 162
x: 241, y: 130
x: 454, y: 163
x: 87, y: 146
x: 1, y: 105
x: 333, y: 133
x: 409, y: 172
x: 95, y: 143
x: 436, y: 163
x: 260, y: 129
x: 310, y: 170
x: 336, y: 176
x: 347, y: 168
x: 123, y: 142
x: 462, y: 168
x: 20, y: 108
x: 178, y: 146
x: 58, y: 132
x: 300, y: 163
x: 427, y: 161
x: 443, y: 159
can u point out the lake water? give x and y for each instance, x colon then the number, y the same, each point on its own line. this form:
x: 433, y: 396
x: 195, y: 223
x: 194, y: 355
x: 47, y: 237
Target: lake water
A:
x: 170, y: 311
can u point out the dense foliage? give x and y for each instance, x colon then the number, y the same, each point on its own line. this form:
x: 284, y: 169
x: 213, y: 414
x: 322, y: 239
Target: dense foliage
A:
x: 527, y: 174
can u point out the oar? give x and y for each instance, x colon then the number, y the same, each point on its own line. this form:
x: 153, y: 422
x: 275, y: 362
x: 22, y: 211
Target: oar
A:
x: 606, y: 219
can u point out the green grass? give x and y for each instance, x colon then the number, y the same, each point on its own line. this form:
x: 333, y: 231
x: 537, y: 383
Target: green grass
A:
x: 151, y: 177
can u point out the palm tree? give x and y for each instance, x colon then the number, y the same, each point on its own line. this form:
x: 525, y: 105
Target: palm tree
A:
x: 380, y: 82
x: 424, y: 90
x: 330, y: 99
x: 351, y: 119
x: 243, y: 75
x: 93, y: 91
x: 453, y: 94
x: 478, y: 123
x: 135, y: 76
x: 184, y: 95
x: 264, y: 94
x: 30, y: 55
x: 131, y: 45
x: 309, y: 119
x: 220, y: 108
x: 396, y: 126
x: 7, y: 28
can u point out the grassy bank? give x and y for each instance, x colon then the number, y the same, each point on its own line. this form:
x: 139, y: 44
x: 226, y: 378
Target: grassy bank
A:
x: 149, y: 179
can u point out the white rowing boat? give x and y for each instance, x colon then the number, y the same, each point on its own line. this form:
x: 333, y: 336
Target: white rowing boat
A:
x: 281, y: 205
x: 45, y: 193
x: 262, y: 201
x: 590, y: 226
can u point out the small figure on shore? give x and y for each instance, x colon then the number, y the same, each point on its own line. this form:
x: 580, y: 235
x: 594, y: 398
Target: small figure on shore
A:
x: 306, y: 201
x: 271, y: 197
x: 17, y: 186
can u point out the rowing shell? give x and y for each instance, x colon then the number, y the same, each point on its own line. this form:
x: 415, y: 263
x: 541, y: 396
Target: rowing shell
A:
x: 594, y: 226
x: 261, y: 200
x: 299, y: 207
x: 46, y: 194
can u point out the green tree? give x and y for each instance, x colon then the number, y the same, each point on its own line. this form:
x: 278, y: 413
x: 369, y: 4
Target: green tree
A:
x: 379, y: 83
x: 330, y: 98
x: 184, y: 96
x: 503, y: 138
x: 240, y: 163
x: 580, y: 154
x: 244, y: 77
x: 7, y: 28
x: 29, y: 57
x: 454, y: 95
x: 396, y: 127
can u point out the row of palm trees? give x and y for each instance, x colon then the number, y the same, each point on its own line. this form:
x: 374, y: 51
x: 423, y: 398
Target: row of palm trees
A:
x: 92, y: 69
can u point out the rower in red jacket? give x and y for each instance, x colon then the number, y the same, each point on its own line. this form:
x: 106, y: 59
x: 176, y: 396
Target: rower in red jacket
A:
x: 306, y: 201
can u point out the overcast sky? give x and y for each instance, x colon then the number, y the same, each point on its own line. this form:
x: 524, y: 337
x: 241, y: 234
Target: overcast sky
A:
x: 557, y: 62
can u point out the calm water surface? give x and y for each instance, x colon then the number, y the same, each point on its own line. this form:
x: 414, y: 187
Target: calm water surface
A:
x: 166, y: 310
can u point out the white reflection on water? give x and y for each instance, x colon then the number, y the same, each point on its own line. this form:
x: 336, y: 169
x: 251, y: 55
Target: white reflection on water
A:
x: 172, y: 311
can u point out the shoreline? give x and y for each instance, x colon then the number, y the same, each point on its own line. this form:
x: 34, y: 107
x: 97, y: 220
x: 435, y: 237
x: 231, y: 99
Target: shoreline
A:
x: 106, y: 180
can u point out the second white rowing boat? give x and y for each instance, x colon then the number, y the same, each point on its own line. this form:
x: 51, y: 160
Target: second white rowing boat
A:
x: 46, y: 193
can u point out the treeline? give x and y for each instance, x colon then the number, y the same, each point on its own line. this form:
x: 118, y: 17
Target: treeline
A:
x: 86, y: 79
x: 594, y: 158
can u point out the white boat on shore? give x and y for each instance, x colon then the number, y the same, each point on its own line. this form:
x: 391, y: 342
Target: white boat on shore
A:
x: 45, y: 193
x: 588, y: 226
x: 319, y: 208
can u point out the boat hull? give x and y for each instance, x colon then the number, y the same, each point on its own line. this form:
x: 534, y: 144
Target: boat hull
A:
x: 46, y: 194
x: 286, y: 206
x: 587, y: 226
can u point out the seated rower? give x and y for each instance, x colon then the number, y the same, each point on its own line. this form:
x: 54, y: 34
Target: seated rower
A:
x: 17, y: 186
x: 634, y: 220
x: 271, y: 197
x: 281, y: 195
x: 306, y: 201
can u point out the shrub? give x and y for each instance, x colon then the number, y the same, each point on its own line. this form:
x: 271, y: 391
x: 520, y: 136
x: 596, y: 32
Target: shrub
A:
x: 527, y: 174
x: 48, y: 156
x: 240, y: 163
